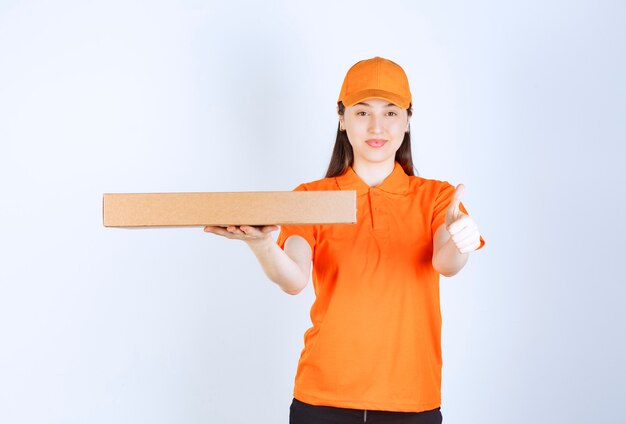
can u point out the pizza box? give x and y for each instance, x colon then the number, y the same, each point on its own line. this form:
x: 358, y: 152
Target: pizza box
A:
x: 228, y: 208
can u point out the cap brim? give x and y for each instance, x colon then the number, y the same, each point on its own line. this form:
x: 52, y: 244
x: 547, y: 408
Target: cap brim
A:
x: 359, y: 96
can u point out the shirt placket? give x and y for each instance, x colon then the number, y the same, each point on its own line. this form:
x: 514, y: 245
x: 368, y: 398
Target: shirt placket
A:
x: 379, y: 214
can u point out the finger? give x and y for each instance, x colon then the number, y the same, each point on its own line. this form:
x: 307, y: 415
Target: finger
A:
x: 235, y: 230
x: 454, y: 206
x: 220, y: 231
x: 458, y: 193
x: 214, y: 229
x: 460, y: 229
x: 469, y: 241
x: 462, y: 222
x: 248, y: 230
x: 242, y: 232
x: 269, y: 228
x: 471, y: 248
x: 251, y: 230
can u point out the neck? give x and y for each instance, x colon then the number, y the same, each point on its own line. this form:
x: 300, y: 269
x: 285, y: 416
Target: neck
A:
x: 373, y: 173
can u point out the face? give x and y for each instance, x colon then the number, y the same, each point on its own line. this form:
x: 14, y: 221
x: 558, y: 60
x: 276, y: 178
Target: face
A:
x: 375, y: 129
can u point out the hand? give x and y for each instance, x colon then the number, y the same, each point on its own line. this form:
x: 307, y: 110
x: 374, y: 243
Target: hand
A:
x: 463, y: 230
x: 247, y: 233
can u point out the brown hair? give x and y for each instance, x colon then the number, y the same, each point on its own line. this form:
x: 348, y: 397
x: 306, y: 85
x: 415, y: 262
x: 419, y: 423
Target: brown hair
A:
x: 343, y: 156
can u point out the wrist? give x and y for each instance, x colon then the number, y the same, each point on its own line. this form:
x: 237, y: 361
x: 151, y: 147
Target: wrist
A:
x: 260, y: 243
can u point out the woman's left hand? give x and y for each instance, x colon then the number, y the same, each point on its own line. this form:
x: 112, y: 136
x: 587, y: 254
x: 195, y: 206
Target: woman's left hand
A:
x: 463, y: 230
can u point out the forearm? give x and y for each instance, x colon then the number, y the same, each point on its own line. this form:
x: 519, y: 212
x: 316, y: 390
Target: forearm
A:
x: 278, y: 266
x: 448, y: 260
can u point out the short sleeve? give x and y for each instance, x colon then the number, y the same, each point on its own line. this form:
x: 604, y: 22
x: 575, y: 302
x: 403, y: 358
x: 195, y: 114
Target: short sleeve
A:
x: 441, y: 206
x: 307, y: 232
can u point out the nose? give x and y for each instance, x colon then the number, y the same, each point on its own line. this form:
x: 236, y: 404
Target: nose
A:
x: 375, y: 124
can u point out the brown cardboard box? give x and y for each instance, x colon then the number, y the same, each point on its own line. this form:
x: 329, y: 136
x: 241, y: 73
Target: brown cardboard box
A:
x: 228, y: 208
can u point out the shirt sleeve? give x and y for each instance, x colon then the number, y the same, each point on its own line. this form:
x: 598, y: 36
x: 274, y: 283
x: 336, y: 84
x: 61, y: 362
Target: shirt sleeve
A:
x: 441, y: 206
x: 307, y: 232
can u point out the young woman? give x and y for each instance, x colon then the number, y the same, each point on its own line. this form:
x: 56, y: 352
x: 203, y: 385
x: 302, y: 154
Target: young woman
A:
x: 373, y: 353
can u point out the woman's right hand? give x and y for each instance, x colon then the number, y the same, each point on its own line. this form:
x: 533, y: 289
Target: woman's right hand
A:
x: 248, y: 233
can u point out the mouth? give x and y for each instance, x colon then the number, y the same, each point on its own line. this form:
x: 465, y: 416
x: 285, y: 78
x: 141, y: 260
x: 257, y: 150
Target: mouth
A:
x: 375, y: 142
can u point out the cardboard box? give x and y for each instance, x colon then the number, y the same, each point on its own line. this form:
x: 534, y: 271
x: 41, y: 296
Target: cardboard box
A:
x: 228, y: 208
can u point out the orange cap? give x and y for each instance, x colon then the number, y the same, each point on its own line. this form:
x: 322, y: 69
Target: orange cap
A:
x: 376, y: 78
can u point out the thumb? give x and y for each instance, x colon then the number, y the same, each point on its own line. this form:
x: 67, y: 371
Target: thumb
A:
x: 453, y: 211
x: 268, y: 229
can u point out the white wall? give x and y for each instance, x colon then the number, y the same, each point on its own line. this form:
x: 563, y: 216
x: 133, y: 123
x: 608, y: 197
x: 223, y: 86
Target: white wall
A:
x: 524, y: 102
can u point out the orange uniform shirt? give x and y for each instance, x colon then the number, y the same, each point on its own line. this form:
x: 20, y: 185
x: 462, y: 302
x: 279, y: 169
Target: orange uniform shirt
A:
x: 375, y: 342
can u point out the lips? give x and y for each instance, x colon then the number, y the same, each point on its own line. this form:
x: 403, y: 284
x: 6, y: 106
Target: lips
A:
x: 375, y: 142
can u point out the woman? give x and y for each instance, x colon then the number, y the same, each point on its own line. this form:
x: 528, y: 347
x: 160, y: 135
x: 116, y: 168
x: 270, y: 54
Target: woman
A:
x: 373, y: 353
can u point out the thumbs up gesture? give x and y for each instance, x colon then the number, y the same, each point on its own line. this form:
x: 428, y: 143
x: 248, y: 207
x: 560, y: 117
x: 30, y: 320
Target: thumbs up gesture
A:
x: 463, y: 230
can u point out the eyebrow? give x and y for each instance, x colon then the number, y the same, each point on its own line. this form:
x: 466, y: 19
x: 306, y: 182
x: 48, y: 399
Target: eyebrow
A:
x: 369, y: 105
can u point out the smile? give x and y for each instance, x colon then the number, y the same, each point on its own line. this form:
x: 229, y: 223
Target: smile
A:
x: 375, y: 142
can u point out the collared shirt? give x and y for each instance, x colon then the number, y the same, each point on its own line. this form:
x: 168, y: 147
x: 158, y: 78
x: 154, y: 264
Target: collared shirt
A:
x: 375, y: 342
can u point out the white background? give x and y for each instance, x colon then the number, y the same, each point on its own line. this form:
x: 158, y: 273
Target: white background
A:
x: 523, y: 102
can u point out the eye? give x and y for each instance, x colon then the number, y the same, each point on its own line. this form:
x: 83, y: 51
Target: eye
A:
x: 392, y: 113
x: 361, y: 113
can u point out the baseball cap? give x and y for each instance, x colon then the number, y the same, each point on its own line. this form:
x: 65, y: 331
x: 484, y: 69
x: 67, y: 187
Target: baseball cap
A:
x: 376, y: 78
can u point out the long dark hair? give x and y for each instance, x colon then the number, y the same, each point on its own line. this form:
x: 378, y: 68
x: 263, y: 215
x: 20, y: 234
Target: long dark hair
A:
x: 343, y: 156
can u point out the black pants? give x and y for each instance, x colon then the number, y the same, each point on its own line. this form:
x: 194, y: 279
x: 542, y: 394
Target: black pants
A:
x: 303, y: 413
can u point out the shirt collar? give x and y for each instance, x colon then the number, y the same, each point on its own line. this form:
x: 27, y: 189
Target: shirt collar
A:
x: 397, y: 182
